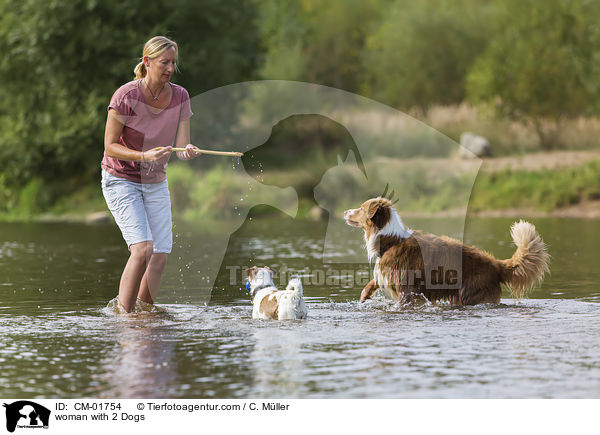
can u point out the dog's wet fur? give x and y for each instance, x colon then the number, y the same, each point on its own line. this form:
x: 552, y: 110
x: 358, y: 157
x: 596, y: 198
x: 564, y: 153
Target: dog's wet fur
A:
x: 405, y: 260
x: 269, y: 302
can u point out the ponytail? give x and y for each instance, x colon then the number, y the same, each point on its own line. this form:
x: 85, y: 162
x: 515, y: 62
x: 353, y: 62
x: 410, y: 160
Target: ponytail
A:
x: 140, y: 70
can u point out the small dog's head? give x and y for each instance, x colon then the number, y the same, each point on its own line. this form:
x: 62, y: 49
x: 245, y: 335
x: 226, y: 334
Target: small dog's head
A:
x: 372, y: 216
x: 258, y: 278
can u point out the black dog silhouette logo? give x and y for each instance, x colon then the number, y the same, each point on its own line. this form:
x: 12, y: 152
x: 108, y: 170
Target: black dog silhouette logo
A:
x: 26, y: 414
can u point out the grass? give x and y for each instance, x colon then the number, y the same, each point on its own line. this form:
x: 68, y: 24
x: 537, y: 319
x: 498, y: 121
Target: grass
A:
x: 421, y: 189
x: 38, y: 200
x: 221, y: 194
x: 509, y: 137
x: 395, y: 135
x: 218, y: 193
x: 543, y: 190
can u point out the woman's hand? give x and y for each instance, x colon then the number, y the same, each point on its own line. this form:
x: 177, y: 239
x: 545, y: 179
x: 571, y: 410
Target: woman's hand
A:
x: 158, y: 154
x: 191, y: 152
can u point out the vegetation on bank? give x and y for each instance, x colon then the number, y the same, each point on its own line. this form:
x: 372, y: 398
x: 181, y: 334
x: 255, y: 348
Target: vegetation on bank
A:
x: 543, y: 190
x: 507, y: 136
x: 422, y: 191
x: 220, y: 193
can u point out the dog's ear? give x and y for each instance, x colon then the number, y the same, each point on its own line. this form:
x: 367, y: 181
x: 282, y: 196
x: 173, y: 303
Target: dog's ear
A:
x: 379, y: 214
x: 250, y: 271
x: 273, y: 271
x: 373, y: 208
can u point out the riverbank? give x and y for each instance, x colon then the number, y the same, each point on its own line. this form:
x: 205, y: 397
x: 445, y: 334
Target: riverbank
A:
x: 583, y: 210
x: 562, y: 184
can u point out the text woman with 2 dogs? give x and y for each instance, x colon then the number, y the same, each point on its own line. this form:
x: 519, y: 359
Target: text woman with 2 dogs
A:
x: 145, y: 117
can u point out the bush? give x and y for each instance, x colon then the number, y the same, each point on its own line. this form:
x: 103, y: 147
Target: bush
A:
x: 419, y: 55
x: 539, y: 190
x: 542, y: 66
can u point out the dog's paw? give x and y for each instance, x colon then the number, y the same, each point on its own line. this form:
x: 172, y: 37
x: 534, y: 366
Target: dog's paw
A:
x: 365, y: 294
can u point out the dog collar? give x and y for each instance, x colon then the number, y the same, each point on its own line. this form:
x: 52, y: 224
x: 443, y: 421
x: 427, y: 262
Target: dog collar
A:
x: 260, y: 287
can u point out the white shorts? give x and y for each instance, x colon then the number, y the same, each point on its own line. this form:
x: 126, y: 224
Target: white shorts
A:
x: 142, y: 211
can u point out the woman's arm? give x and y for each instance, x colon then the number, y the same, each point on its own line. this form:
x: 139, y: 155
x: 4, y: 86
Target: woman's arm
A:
x: 112, y: 133
x: 183, y: 140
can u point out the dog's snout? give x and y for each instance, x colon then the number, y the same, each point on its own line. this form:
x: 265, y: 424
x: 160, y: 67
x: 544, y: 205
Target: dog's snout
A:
x: 349, y: 213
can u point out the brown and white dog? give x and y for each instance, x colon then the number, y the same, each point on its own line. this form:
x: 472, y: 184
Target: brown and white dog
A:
x: 270, y: 303
x: 442, y: 268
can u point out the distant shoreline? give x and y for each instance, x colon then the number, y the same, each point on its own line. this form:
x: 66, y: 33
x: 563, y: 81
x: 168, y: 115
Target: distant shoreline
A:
x: 584, y: 210
x: 497, y: 194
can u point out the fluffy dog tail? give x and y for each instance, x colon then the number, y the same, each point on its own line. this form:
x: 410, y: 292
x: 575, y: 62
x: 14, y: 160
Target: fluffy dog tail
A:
x: 296, y: 285
x: 529, y: 263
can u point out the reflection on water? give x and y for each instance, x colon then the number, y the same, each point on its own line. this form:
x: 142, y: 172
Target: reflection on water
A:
x: 278, y: 362
x: 141, y: 363
x: 59, y: 341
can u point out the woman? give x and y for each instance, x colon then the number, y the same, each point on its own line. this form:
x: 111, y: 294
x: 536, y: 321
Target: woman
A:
x: 145, y: 117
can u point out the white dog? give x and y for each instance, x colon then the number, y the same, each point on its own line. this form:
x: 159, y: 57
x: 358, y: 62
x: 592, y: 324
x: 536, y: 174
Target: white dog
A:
x: 270, y: 303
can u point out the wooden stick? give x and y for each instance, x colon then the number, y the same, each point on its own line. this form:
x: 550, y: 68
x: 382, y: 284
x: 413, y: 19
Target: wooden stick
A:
x: 215, y: 153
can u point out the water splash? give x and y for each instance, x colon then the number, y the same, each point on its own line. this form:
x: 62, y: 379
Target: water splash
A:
x: 115, y: 307
x: 236, y: 163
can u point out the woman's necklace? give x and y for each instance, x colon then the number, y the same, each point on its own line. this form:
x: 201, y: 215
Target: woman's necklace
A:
x: 154, y: 96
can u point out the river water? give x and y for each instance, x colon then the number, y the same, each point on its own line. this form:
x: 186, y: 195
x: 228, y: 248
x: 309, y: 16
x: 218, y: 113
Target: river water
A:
x: 60, y: 341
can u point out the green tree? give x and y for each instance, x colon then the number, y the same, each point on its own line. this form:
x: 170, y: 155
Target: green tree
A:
x: 62, y: 60
x: 282, y: 36
x: 318, y: 42
x: 219, y: 41
x: 542, y: 66
x: 419, y: 54
x: 336, y: 34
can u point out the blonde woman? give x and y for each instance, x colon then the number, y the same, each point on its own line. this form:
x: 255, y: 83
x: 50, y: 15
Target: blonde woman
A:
x: 145, y: 118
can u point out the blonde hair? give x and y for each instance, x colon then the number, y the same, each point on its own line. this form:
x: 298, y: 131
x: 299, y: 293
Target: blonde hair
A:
x: 154, y: 48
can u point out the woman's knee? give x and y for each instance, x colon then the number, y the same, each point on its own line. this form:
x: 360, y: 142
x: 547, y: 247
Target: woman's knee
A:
x: 159, y: 260
x: 141, y: 251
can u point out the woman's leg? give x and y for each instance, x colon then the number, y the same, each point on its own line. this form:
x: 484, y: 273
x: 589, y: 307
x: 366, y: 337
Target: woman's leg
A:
x: 151, y: 280
x: 157, y: 202
x: 133, y: 274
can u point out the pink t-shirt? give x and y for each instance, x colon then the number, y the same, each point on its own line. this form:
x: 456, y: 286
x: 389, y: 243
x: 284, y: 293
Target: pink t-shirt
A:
x: 145, y: 128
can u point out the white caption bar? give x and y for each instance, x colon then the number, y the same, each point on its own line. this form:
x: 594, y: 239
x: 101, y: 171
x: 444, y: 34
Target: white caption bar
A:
x: 248, y: 416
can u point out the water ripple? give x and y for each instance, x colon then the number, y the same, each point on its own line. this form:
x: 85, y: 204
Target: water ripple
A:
x: 534, y: 348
